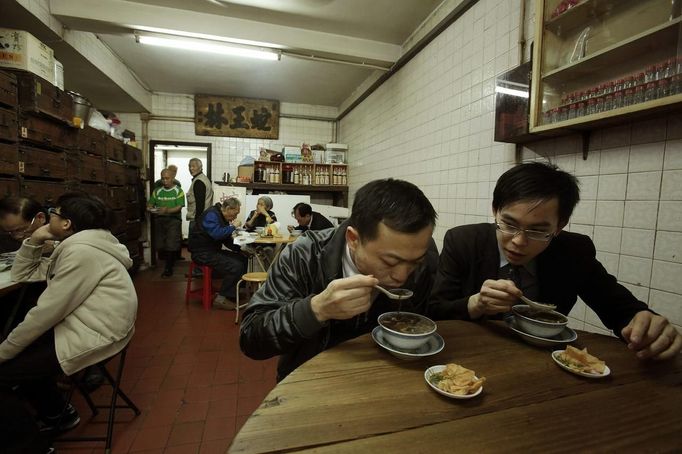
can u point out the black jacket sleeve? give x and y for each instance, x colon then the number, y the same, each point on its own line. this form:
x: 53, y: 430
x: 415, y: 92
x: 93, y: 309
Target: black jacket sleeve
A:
x: 199, y: 197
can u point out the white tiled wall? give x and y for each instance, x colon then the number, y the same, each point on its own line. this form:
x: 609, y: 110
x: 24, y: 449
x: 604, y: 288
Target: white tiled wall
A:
x: 432, y: 124
x: 228, y: 152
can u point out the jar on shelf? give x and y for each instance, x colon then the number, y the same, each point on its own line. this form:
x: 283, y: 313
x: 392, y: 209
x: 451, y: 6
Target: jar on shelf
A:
x: 618, y: 99
x: 639, y: 94
x: 287, y: 174
x: 563, y: 113
x: 650, y: 91
x: 619, y: 85
x: 650, y: 74
x: 640, y: 79
x: 259, y: 174
x: 591, y: 106
x: 554, y: 117
x: 629, y: 97
x: 600, y: 104
x: 580, y: 110
x: 628, y: 82
x: 662, y: 90
x: 608, y: 102
x: 571, y: 111
x: 675, y: 88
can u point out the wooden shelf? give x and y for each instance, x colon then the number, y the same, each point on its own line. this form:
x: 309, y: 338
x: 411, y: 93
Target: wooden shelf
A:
x: 580, y: 14
x: 339, y: 193
x: 587, y: 122
x: 605, y: 59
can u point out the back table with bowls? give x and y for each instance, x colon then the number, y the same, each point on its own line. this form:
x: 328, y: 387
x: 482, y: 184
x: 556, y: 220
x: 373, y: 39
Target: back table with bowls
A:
x: 370, y: 395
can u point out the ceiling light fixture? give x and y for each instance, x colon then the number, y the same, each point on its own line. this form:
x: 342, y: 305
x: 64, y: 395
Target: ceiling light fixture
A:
x: 202, y: 45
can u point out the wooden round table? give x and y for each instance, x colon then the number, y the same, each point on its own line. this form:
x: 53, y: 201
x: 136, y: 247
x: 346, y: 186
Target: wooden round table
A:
x: 356, y: 398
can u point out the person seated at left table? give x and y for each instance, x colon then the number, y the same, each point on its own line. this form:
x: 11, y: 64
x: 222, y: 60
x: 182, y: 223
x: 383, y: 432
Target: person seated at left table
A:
x: 212, y: 231
x: 262, y: 215
x: 19, y: 218
x: 166, y: 204
x: 86, y: 314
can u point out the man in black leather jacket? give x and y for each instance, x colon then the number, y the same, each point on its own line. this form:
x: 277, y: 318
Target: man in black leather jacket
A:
x: 321, y: 290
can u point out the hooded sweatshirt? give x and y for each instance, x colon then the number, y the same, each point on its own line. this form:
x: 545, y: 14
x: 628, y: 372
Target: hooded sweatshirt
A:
x: 90, y: 299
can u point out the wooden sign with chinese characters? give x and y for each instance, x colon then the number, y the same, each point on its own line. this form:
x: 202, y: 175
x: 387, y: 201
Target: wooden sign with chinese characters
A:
x: 236, y: 117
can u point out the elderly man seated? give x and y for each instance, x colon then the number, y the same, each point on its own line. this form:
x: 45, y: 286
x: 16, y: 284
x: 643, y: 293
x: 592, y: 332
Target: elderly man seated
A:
x: 213, y: 230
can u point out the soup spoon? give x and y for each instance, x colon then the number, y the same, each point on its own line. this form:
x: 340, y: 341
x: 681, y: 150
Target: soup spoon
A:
x: 538, y: 306
x: 396, y: 293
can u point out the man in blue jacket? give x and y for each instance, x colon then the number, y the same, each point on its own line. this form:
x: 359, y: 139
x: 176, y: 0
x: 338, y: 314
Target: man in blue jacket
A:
x: 211, y: 232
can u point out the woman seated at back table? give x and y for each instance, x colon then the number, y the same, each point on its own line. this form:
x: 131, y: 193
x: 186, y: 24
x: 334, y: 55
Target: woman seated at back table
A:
x: 262, y: 215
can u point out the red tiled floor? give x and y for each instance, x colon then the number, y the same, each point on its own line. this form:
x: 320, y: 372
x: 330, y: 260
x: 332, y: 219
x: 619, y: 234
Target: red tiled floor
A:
x: 185, y: 371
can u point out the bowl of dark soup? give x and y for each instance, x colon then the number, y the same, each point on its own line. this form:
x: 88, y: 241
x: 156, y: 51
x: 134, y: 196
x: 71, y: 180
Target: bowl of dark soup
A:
x: 539, y: 323
x: 406, y: 330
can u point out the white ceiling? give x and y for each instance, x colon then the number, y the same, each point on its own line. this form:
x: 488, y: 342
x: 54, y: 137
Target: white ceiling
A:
x: 363, y: 32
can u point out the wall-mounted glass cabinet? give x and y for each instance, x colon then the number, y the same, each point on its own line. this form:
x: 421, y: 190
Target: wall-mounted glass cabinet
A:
x: 596, y: 60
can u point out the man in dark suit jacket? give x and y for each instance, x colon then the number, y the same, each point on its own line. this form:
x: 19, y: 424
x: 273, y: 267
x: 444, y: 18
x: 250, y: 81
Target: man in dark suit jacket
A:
x: 308, y: 219
x: 485, y: 268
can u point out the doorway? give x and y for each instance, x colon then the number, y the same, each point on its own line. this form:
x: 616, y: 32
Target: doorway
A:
x: 165, y: 153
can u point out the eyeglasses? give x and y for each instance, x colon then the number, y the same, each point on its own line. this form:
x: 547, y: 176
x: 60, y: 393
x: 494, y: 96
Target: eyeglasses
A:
x: 536, y: 235
x: 54, y: 211
x: 21, y: 231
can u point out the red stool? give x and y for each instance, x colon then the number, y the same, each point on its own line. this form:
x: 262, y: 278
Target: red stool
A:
x: 205, y: 291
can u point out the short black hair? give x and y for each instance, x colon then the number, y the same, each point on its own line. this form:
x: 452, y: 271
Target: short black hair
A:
x: 399, y: 204
x: 25, y: 207
x: 537, y: 181
x: 303, y: 209
x: 85, y: 211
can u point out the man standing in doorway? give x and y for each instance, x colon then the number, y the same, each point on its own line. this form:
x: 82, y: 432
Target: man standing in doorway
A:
x: 200, y: 192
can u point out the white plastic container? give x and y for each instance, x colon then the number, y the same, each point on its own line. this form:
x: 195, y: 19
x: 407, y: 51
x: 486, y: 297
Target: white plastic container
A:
x: 22, y: 50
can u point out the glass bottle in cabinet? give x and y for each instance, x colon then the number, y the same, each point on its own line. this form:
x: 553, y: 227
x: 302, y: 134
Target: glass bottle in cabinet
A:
x: 616, y: 56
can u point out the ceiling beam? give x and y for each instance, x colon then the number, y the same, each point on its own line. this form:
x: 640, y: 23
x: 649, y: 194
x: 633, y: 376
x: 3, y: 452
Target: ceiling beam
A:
x: 76, y: 13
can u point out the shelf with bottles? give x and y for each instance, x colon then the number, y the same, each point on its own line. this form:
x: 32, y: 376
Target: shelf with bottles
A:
x: 601, y: 59
x: 300, y: 173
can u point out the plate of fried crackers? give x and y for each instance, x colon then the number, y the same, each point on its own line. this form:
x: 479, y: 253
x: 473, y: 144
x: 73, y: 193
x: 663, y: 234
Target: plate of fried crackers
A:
x: 454, y: 381
x: 580, y: 362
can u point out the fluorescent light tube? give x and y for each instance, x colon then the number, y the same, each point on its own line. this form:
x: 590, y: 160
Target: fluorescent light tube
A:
x: 207, y: 46
x: 511, y: 91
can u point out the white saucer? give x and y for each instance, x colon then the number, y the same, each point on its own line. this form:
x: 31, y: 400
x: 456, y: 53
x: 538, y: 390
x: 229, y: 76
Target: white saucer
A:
x: 436, y: 369
x: 565, y: 337
x: 555, y: 353
x: 434, y: 345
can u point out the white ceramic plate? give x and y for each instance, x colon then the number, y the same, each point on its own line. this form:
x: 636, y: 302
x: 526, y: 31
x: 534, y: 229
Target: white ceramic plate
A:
x: 433, y: 346
x: 565, y: 337
x: 436, y: 369
x: 555, y: 354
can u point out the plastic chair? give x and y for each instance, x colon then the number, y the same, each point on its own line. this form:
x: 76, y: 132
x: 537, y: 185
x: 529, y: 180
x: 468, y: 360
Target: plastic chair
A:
x: 116, y: 393
x: 205, y: 292
x: 249, y: 278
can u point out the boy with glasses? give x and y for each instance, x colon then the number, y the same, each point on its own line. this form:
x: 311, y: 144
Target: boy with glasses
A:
x: 485, y: 268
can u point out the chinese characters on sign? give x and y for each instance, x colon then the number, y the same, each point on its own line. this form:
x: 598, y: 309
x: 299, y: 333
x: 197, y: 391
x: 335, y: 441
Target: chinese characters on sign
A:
x: 236, y: 117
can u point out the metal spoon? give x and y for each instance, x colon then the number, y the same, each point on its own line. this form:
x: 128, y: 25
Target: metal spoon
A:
x: 396, y: 293
x: 538, y: 306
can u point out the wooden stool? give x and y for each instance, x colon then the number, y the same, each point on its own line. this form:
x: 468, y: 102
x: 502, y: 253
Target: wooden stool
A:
x: 205, y: 292
x: 249, y: 278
